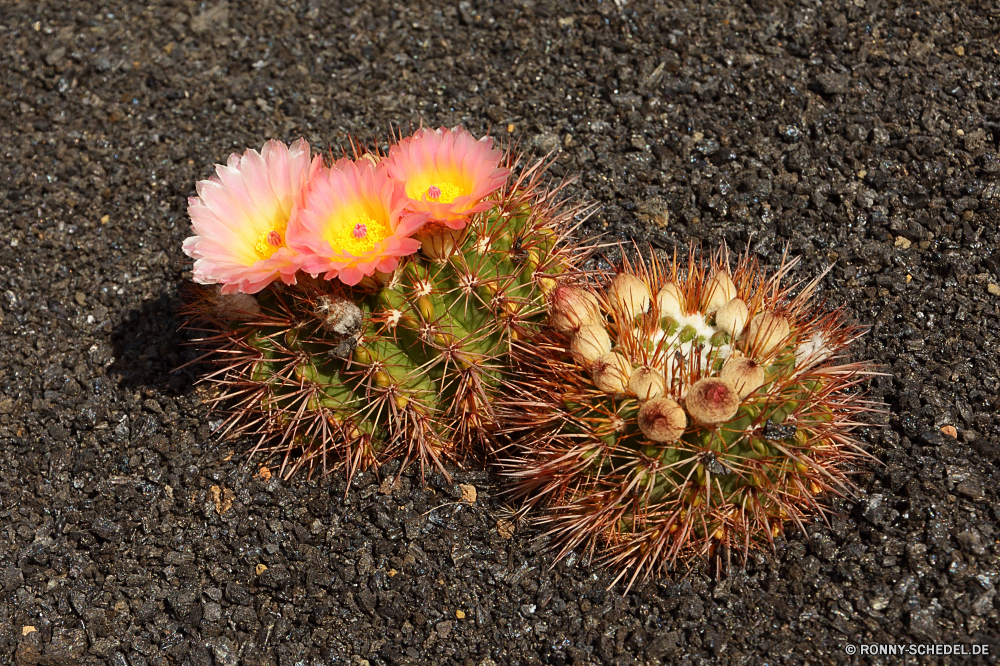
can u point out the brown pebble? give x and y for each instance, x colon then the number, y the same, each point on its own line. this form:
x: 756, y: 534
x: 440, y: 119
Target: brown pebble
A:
x: 505, y: 528
x: 951, y: 431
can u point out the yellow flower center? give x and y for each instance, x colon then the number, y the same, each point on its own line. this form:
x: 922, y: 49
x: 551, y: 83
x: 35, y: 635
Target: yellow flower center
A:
x: 359, y: 235
x: 269, y: 242
x: 443, y: 192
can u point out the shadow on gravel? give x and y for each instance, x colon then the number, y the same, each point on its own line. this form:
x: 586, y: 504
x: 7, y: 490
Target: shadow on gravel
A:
x: 149, y: 347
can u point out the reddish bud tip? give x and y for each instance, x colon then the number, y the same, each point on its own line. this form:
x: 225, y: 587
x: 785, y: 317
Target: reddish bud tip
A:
x: 712, y: 401
x: 573, y: 307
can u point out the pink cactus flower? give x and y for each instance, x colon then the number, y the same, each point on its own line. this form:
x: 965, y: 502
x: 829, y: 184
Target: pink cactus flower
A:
x: 448, y: 173
x: 353, y: 222
x: 241, y: 215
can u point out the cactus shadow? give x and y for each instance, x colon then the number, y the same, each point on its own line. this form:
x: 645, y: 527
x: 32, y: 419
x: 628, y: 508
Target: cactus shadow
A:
x: 150, y: 348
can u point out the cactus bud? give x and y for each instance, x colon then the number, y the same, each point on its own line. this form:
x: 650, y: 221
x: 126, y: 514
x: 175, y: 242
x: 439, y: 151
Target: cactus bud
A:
x: 720, y: 291
x: 719, y: 338
x: 732, y: 317
x: 383, y: 379
x: 590, y: 343
x: 611, y: 373
x: 375, y: 282
x: 688, y: 333
x: 238, y: 306
x: 662, y: 420
x: 437, y: 241
x: 573, y: 307
x: 767, y: 331
x: 711, y: 401
x: 743, y: 374
x: 546, y: 284
x: 426, y: 308
x: 670, y: 301
x: 629, y: 295
x: 646, y: 383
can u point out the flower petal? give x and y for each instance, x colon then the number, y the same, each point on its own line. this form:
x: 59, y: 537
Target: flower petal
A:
x: 351, y: 221
x: 235, y: 212
x: 447, y: 156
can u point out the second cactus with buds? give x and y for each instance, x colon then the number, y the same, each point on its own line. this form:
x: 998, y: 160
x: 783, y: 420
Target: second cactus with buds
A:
x: 681, y: 409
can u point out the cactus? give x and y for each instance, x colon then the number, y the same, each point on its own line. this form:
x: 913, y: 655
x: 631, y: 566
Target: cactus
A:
x: 404, y: 364
x: 677, y: 415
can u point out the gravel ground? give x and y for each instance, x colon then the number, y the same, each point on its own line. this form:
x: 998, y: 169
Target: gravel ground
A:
x: 863, y: 133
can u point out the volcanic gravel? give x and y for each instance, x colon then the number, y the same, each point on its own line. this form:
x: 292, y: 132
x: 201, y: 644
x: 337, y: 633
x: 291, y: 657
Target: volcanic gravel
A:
x: 858, y: 133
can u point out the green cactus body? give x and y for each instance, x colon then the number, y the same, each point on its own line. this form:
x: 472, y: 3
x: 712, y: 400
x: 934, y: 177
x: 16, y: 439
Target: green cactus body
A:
x: 720, y: 441
x: 405, y: 365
